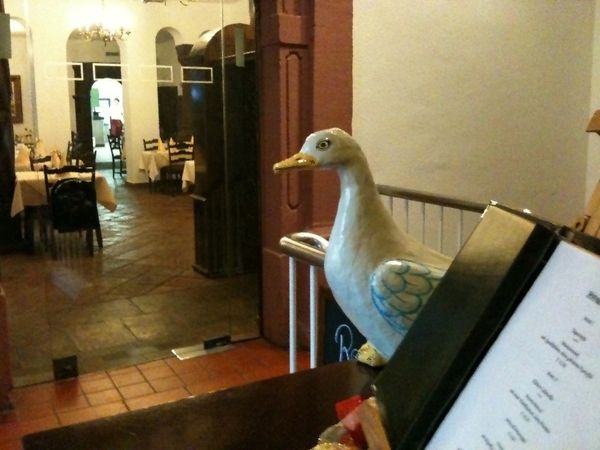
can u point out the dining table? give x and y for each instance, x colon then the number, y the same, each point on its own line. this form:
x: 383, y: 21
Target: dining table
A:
x: 30, y: 195
x: 188, y: 176
x: 30, y: 190
x: 152, y: 161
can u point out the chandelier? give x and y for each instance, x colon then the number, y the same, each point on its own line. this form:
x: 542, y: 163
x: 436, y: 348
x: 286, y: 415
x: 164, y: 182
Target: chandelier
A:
x: 101, y: 32
x: 106, y: 29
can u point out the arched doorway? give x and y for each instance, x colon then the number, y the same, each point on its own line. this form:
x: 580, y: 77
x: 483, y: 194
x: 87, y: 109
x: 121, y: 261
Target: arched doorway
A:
x: 91, y: 61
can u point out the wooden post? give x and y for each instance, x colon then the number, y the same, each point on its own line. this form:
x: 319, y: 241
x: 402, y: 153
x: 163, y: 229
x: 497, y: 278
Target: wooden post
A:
x: 305, y: 84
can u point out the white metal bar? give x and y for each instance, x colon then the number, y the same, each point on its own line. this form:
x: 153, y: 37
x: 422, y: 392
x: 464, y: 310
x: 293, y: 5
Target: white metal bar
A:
x: 292, y: 313
x: 314, y: 316
x: 441, y: 230
x: 422, y: 222
x: 461, y: 216
x: 406, y: 214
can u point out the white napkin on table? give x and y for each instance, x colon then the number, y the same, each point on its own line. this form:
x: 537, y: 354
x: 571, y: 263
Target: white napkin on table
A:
x: 161, y: 146
x: 22, y: 158
x: 55, y: 160
x: 40, y: 149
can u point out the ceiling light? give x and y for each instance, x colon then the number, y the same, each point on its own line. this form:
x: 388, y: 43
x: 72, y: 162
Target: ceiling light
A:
x: 106, y: 30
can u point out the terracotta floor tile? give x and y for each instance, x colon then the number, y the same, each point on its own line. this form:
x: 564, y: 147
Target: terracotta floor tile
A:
x: 152, y: 365
x: 136, y: 390
x: 34, y: 405
x: 256, y: 373
x: 10, y: 431
x: 64, y: 390
x: 77, y: 416
x: 102, y: 397
x: 132, y: 377
x: 182, y: 366
x: 34, y: 411
x: 110, y: 409
x: 196, y: 377
x: 69, y: 403
x: 33, y: 394
x: 95, y: 385
x: 11, y: 445
x: 215, y: 384
x: 167, y: 383
x: 8, y: 416
x: 156, y: 399
x: 92, y: 376
x: 41, y: 424
x: 122, y: 371
x: 152, y: 373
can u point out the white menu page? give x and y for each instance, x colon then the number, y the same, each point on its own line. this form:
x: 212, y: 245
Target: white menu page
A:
x: 538, y: 387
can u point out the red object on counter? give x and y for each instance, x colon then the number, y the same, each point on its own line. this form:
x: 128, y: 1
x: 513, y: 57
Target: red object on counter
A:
x: 346, y: 413
x: 345, y: 407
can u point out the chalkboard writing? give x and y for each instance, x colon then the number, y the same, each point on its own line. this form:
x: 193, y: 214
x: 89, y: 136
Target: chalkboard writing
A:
x: 342, y: 340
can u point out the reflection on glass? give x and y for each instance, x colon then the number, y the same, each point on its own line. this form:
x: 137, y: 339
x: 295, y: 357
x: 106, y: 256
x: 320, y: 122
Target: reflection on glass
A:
x: 120, y: 306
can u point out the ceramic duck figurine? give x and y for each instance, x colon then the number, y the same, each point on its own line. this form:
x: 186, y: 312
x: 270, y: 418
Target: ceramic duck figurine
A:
x: 380, y: 276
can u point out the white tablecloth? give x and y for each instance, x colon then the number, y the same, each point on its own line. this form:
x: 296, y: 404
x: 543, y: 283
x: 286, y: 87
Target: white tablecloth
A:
x: 151, y: 162
x: 188, y: 177
x: 30, y: 190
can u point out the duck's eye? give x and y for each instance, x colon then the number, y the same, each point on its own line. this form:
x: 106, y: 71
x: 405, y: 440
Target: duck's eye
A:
x: 323, y: 144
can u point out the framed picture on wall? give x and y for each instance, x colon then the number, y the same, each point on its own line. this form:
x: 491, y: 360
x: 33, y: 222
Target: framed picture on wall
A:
x: 16, y: 102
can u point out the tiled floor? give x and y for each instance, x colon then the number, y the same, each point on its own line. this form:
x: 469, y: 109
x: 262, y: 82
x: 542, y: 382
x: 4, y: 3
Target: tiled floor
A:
x: 130, y: 303
x: 105, y: 393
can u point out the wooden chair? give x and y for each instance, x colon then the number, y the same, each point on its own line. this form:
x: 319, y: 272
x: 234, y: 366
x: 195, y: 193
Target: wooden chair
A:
x: 81, y: 156
x: 150, y: 145
x: 40, y: 162
x: 179, y: 153
x: 72, y: 204
x: 116, y: 150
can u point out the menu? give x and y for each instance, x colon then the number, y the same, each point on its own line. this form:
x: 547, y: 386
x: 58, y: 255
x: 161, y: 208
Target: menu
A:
x: 539, y: 384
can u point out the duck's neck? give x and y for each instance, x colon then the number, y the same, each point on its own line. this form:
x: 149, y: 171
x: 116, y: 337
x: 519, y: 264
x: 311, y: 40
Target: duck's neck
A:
x: 360, y: 209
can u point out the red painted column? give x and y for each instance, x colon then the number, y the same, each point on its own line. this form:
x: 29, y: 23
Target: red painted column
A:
x: 305, y: 84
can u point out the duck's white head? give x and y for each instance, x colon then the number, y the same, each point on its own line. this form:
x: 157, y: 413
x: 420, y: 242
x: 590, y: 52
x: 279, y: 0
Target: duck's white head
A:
x: 327, y: 149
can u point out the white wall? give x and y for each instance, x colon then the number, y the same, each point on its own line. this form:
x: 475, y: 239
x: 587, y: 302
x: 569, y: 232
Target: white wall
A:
x: 19, y: 66
x: 476, y: 99
x: 593, y: 162
x: 52, y: 22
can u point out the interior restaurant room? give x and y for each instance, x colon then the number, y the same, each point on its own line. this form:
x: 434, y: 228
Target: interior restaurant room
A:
x: 192, y: 292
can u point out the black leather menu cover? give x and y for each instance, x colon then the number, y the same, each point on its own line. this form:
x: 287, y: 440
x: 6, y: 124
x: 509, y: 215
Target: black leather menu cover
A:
x: 482, y: 287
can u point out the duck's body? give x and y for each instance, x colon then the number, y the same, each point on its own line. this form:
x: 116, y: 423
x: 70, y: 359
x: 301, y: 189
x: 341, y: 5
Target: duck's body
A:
x: 379, y: 275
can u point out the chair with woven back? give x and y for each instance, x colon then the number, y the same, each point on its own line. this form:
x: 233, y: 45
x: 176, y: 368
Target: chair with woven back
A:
x: 116, y: 150
x: 71, y: 194
x: 37, y: 163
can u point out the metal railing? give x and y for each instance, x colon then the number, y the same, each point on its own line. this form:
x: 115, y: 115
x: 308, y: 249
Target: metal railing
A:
x: 408, y: 207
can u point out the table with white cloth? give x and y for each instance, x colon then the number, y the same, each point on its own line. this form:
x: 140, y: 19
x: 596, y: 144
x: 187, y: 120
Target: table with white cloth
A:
x: 188, y: 176
x: 30, y: 195
x: 152, y: 161
x: 30, y: 190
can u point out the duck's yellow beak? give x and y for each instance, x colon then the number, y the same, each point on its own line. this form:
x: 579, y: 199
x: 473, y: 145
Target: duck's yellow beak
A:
x: 298, y: 161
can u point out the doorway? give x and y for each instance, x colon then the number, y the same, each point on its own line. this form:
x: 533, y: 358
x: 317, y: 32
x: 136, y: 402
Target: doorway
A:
x: 106, y: 104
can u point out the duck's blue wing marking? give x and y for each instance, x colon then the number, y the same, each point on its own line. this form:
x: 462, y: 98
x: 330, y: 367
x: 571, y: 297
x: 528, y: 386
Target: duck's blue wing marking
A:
x: 400, y: 288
